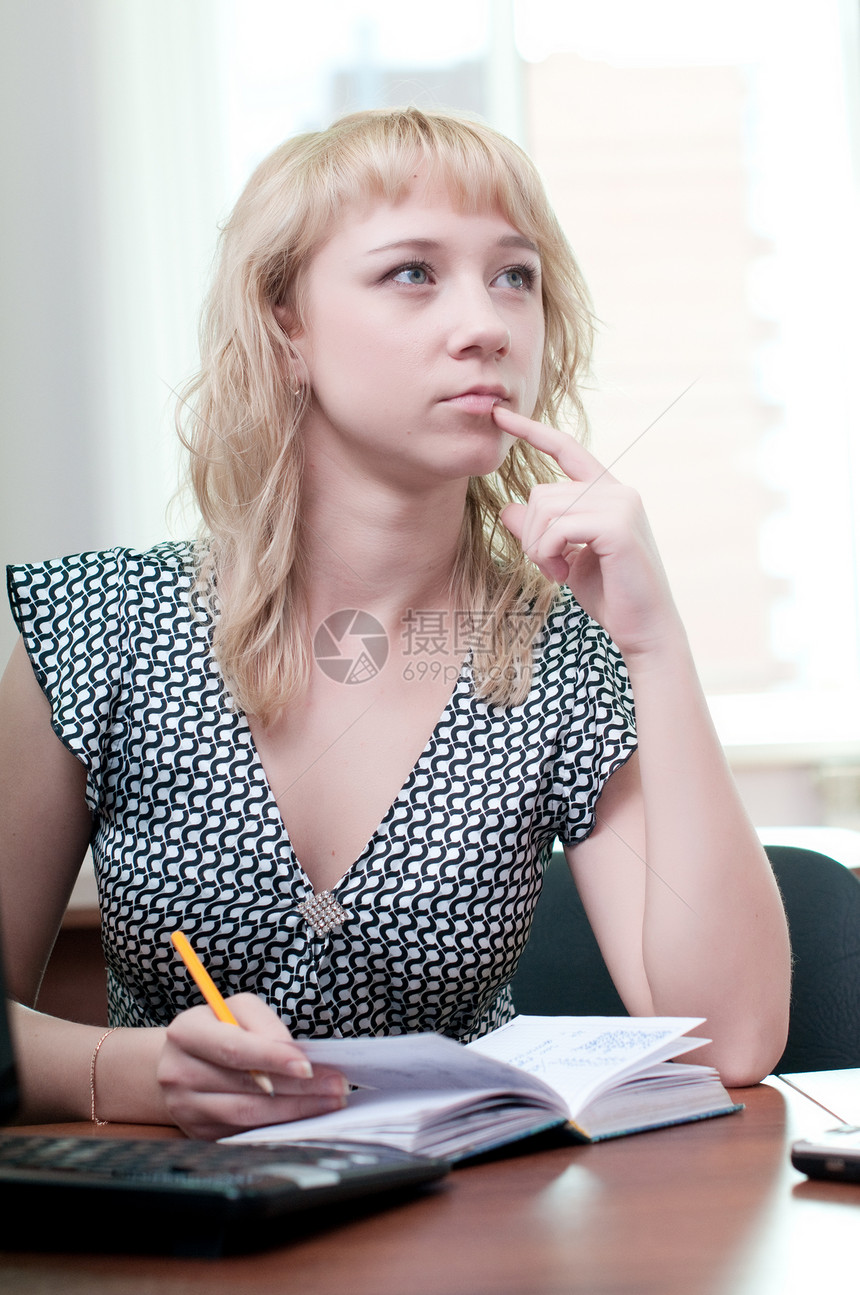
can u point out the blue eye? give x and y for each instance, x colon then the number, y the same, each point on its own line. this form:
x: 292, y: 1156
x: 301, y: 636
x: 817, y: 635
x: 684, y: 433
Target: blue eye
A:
x: 417, y: 275
x: 519, y: 277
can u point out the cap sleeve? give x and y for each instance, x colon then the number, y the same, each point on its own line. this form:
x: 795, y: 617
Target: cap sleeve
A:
x: 600, y: 732
x: 72, y: 615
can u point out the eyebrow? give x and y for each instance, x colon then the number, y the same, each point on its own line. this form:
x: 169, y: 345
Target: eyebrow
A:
x: 433, y: 244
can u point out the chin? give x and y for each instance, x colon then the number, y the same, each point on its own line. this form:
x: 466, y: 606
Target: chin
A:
x: 481, y: 450
x: 482, y: 465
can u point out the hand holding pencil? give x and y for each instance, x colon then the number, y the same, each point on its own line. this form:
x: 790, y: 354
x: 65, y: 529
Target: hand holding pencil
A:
x: 205, y: 1068
x: 213, y: 997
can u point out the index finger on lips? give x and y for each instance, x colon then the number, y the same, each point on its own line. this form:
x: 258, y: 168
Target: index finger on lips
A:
x: 570, y: 456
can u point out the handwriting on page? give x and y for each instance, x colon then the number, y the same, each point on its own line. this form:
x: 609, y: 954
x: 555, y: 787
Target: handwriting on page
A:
x: 573, y: 1055
x: 581, y: 1051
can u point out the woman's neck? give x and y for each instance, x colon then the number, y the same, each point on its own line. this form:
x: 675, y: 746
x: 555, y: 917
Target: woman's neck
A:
x: 371, y: 547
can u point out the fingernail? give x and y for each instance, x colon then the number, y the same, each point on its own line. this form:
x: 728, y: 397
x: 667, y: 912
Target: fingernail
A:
x: 336, y: 1086
x: 299, y: 1069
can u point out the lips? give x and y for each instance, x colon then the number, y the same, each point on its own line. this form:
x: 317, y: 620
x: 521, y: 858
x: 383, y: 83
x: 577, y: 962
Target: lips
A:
x: 478, y: 400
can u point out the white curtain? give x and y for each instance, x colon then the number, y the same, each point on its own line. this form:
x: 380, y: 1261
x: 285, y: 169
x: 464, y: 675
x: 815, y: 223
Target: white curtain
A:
x: 112, y: 183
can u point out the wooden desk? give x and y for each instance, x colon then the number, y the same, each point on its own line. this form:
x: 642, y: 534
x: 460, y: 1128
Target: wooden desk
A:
x: 705, y: 1209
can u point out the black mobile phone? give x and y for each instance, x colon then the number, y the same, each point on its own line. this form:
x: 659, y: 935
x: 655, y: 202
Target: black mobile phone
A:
x: 834, y: 1154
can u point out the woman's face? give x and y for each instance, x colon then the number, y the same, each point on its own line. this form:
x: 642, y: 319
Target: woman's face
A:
x: 416, y: 319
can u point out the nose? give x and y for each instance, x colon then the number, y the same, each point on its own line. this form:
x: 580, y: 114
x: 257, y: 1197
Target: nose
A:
x: 476, y: 327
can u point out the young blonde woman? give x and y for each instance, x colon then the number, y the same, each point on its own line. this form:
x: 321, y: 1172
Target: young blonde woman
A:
x: 335, y: 739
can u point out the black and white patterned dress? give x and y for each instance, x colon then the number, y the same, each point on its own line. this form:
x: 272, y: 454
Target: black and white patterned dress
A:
x: 187, y: 834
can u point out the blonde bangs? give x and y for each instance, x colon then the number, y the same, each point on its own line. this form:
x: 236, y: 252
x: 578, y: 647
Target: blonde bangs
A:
x: 375, y: 155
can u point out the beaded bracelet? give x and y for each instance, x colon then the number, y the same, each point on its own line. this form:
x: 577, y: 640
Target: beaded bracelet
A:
x: 93, y: 1115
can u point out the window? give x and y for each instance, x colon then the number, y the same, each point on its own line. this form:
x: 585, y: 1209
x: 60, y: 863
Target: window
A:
x: 705, y: 164
x: 701, y: 163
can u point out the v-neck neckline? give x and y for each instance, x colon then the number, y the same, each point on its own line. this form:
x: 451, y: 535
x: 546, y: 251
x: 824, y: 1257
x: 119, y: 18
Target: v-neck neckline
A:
x: 462, y: 687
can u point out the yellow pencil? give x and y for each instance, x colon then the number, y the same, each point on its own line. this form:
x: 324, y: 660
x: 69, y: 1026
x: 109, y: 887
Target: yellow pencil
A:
x: 210, y: 992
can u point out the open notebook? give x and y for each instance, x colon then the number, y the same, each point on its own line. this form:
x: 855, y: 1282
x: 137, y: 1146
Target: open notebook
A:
x: 179, y: 1196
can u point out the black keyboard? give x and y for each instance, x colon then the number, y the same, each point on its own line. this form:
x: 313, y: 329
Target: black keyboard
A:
x: 183, y: 1196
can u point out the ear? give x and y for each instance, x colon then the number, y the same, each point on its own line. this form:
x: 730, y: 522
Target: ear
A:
x: 288, y: 322
x: 295, y: 337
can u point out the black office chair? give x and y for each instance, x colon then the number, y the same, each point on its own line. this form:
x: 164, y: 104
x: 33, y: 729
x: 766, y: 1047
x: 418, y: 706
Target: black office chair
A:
x: 562, y: 971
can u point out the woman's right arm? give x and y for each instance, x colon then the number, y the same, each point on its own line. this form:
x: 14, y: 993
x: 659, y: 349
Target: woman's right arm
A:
x: 195, y: 1073
x: 45, y: 825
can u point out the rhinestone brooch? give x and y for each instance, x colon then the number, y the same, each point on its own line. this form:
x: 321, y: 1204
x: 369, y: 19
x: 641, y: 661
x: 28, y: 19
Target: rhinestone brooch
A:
x: 322, y: 912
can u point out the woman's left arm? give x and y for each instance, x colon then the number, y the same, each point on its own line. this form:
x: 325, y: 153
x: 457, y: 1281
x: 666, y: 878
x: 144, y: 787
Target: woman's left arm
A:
x: 676, y: 885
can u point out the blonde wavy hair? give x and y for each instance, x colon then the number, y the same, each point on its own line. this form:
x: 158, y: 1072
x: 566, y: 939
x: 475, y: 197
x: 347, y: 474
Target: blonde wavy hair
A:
x: 241, y: 416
